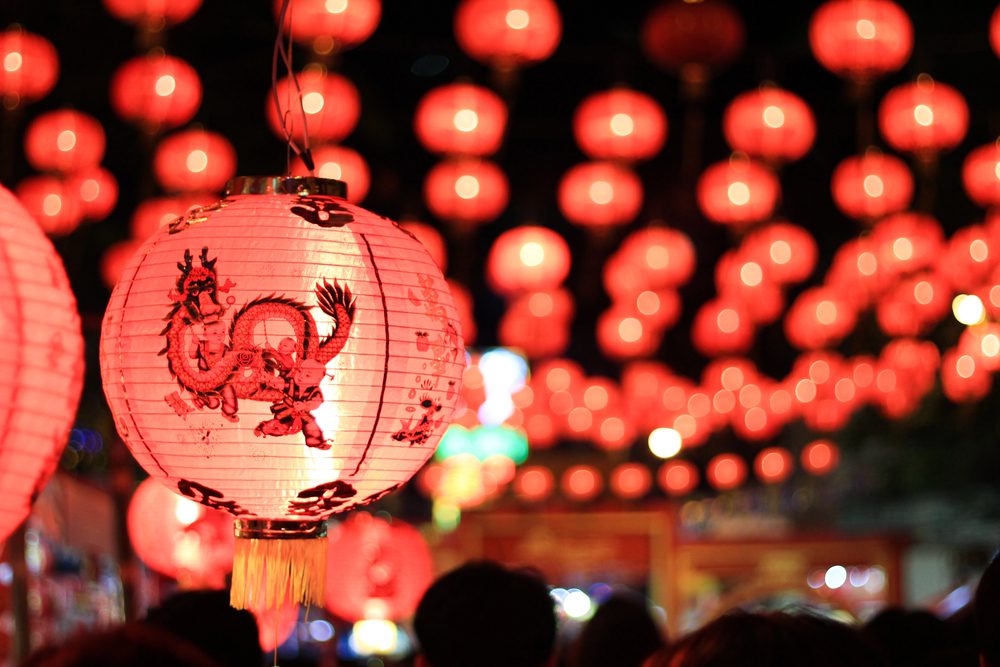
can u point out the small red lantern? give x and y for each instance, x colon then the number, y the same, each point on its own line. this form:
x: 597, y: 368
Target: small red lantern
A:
x: 464, y: 308
x: 869, y: 186
x: 538, y: 323
x: 341, y: 164
x: 923, y: 118
x: 508, y: 34
x: 906, y: 372
x: 158, y: 212
x: 194, y: 161
x: 652, y: 258
x: 29, y: 67
x: 330, y: 101
x: 691, y: 38
x: 620, y: 124
x: 461, y: 118
x: 152, y: 14
x: 995, y: 31
x: 97, y: 191
x: 623, y: 333
x: 582, y: 483
x: 466, y: 191
x: 600, y: 194
x: 156, y: 91
x: 431, y: 239
x: 64, y: 141
x: 742, y: 278
x: 115, y: 258
x: 914, y: 305
x: 981, y: 175
x: 722, y: 326
x: 970, y: 258
x: 907, y: 242
x: 726, y: 471
x: 772, y: 124
x: 631, y: 481
x: 818, y: 318
x: 856, y: 272
x: 527, y: 259
x: 983, y: 343
x: 56, y: 208
x: 44, y: 369
x: 964, y: 379
x: 331, y: 25
x: 787, y: 253
x: 861, y: 39
x: 534, y: 483
x: 677, y: 478
x: 820, y: 457
x: 737, y: 192
x: 773, y: 465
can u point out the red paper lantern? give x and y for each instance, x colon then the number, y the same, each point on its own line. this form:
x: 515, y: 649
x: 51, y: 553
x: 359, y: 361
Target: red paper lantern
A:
x: 152, y: 14
x: 43, y: 367
x: 856, y: 272
x: 771, y: 124
x: 64, y: 141
x: 194, y: 161
x: 964, y: 378
x: 158, y: 212
x: 620, y: 124
x: 631, y: 481
x: 690, y: 38
x: 818, y: 318
x: 534, y: 483
x: 275, y: 626
x: 466, y: 191
x: 179, y: 538
x: 786, y: 252
x: 29, y: 67
x: 923, y: 118
x: 341, y: 164
x: 907, y: 242
x: 600, y: 194
x: 677, y: 478
x: 538, y: 323
x: 820, y: 457
x: 726, y: 471
x: 508, y: 34
x: 983, y: 343
x: 981, y: 175
x: 905, y: 373
x: 970, y: 257
x: 156, y: 91
x: 581, y: 483
x: 97, y: 191
x: 861, y: 39
x: 331, y: 25
x: 742, y: 278
x: 652, y: 258
x: 527, y: 259
x: 431, y: 239
x: 376, y: 569
x: 115, y: 258
x: 464, y: 307
x: 773, y: 465
x: 622, y: 333
x: 722, y: 326
x: 737, y: 192
x: 331, y: 103
x: 914, y: 305
x: 461, y: 118
x: 310, y: 357
x: 869, y: 186
x: 55, y: 206
x: 995, y: 31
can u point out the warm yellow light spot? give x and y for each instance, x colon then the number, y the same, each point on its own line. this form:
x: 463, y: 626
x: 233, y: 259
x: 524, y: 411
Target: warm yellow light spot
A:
x: 657, y: 257
x: 375, y: 636
x: 902, y: 249
x: 750, y: 395
x: 723, y: 402
x: 630, y: 329
x: 885, y: 381
x: 738, y: 193
x: 197, y: 161
x: 647, y: 302
x: 867, y: 263
x: 580, y: 419
x: 996, y: 170
x: 467, y: 186
x: 665, y: 442
x: 751, y: 274
x: 13, y: 61
x: 622, y: 124
x: 186, y: 511
x: 686, y: 426
x: 968, y: 309
x: 313, y: 102
x: 755, y: 419
x: 989, y: 345
x: 541, y: 304
x: 465, y: 120
x: 613, y: 429
x: 819, y: 371
x: 845, y: 390
x: 335, y: 6
x: 773, y: 116
x: 51, y: 204
x: 805, y: 391
x: 965, y: 366
x: 596, y: 397
x: 865, y: 28
x: 874, y: 187
x: 994, y: 296
x: 699, y: 405
x: 601, y: 192
x: 532, y: 254
x: 90, y: 190
x: 331, y: 170
x: 826, y: 312
x: 728, y: 320
x: 558, y: 379
x: 979, y: 251
x: 923, y: 292
x: 165, y: 85
x: 517, y: 19
x: 66, y: 141
x: 923, y: 114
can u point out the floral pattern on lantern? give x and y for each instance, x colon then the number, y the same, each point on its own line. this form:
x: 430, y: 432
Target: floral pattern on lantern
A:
x: 29, y: 66
x: 620, y: 124
x: 156, y: 91
x: 462, y: 119
x: 861, y: 39
x: 771, y: 124
x: 508, y: 34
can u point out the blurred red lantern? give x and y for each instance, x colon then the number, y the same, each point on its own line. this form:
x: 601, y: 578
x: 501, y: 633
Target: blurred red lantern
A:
x: 737, y: 192
x: 677, y: 478
x: 823, y: 385
x: 995, y: 31
x: 581, y: 483
x: 722, y: 326
x: 528, y: 258
x: 652, y: 258
x: 97, y: 191
x: 773, y: 465
x: 152, y: 14
x: 156, y: 91
x: 623, y: 334
x: 275, y: 626
x: 631, y: 481
x: 786, y: 252
x: 157, y: 212
x: 741, y: 278
x: 771, y: 124
x: 341, y: 164
x: 431, y: 239
x: 923, y: 118
x: 820, y: 457
x: 538, y: 323
x: 872, y: 185
x: 30, y: 67
x: 963, y: 378
x: 330, y: 101
x: 620, y: 124
x: 466, y: 191
x: 906, y: 371
x: 818, y: 318
x: 914, y: 305
x: 861, y: 39
x: 726, y: 471
x: 461, y: 118
x: 612, y: 431
x: 533, y: 483
x: 907, y: 242
x: 55, y: 206
x: 179, y: 538
x: 856, y: 272
x: 600, y: 194
x: 376, y: 569
x: 983, y: 343
x: 659, y: 309
x: 691, y: 38
x: 194, y: 161
x: 981, y: 175
x: 115, y: 258
x: 43, y: 374
x: 464, y: 309
x: 331, y: 25
x: 508, y: 34
x: 64, y: 141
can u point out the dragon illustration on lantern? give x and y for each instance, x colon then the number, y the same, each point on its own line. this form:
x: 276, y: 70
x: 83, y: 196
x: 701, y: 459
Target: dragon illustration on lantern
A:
x: 220, y: 364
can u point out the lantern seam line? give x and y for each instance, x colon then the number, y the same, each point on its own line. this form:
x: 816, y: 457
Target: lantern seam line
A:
x: 19, y: 364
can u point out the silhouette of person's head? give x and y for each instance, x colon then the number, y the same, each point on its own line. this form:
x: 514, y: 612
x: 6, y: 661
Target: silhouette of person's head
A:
x: 486, y: 615
x: 986, y: 612
x: 909, y: 638
x: 206, y: 619
x: 620, y: 633
x: 131, y: 645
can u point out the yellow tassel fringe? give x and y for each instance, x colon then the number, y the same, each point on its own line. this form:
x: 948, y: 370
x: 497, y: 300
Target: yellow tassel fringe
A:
x: 271, y: 573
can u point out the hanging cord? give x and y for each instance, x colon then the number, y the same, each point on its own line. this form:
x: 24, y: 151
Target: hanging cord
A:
x: 285, y: 54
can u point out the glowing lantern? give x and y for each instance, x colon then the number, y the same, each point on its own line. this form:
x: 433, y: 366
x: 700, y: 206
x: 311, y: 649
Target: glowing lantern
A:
x: 726, y: 471
x: 630, y: 481
x: 963, y: 378
x: 995, y: 31
x: 819, y: 317
x: 376, y: 569
x: 115, y: 258
x: 620, y: 124
x: 310, y: 356
x: 691, y: 38
x: 914, y: 305
x: 464, y: 307
x: 923, y: 118
x: 822, y: 385
x: 331, y: 25
x: 431, y: 239
x: 744, y: 279
x: 508, y: 34
x: 179, y: 538
x: 152, y: 14
x: 773, y: 465
x: 156, y: 91
x: 722, y: 326
x: 650, y: 259
x: 872, y: 185
x: 861, y: 39
x: 581, y: 483
x: 461, y: 118
x: 194, y: 161
x: 97, y: 191
x: 983, y: 343
x: 785, y: 252
x: 29, y: 67
x: 537, y: 323
x: 856, y: 272
x: 339, y: 163
x: 331, y: 103
x: 275, y: 626
x: 527, y: 259
x: 64, y: 141
x: 820, y: 457
x: 737, y: 192
x: 534, y: 483
x: 907, y: 242
x: 623, y: 334
x: 466, y: 191
x: 771, y: 124
x: 905, y: 373
x: 56, y: 208
x: 43, y: 364
x: 677, y: 478
x: 600, y: 194
x: 981, y: 175
x: 158, y: 212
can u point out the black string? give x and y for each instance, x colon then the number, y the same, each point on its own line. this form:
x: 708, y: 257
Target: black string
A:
x: 280, y: 50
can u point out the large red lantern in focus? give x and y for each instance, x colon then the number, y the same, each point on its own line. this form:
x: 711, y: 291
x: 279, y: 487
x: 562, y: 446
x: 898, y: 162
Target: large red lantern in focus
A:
x: 527, y: 259
x: 692, y: 38
x: 722, y: 326
x: 981, y: 175
x: 194, y: 161
x: 508, y: 34
x: 64, y: 141
x: 376, y: 569
x: 786, y: 252
x: 431, y: 239
x: 341, y: 164
x: 331, y: 25
x: 861, y: 39
x: 97, y: 191
x: 466, y: 191
x: 152, y: 14
x: 179, y: 538
x: 461, y: 118
x: 819, y: 317
x: 620, y: 124
x: 600, y: 194
x: 869, y: 186
x: 924, y: 117
x: 52, y: 203
x: 737, y: 192
x: 771, y: 124
x: 29, y: 67
x: 42, y: 363
x: 156, y: 91
x: 309, y: 364
x: 330, y: 101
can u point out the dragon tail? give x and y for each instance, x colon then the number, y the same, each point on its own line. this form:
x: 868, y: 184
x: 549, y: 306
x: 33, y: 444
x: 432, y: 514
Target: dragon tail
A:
x: 337, y: 302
